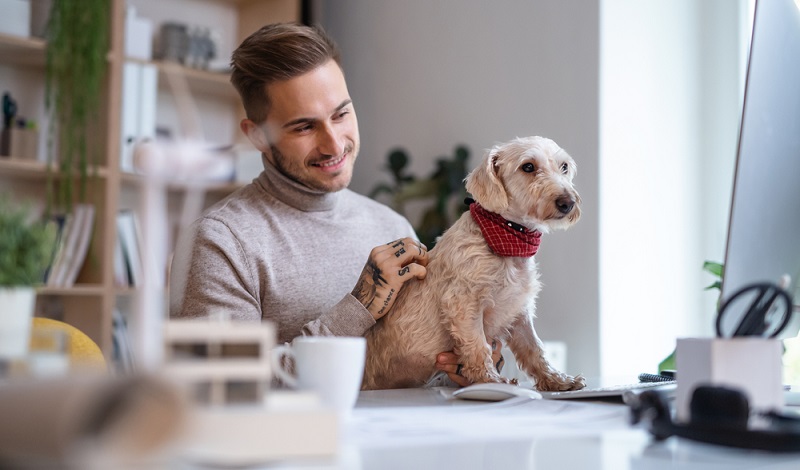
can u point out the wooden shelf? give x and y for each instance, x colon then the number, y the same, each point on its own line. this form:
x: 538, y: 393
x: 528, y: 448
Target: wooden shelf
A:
x: 16, y: 50
x: 78, y: 290
x: 201, y: 82
x: 134, y: 179
x: 36, y: 170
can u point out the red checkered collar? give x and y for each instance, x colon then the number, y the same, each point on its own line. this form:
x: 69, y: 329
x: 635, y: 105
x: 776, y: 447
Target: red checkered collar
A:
x: 505, y: 238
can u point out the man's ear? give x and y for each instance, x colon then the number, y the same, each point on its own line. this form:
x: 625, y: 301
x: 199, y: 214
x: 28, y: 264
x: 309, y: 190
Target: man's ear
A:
x: 255, y: 134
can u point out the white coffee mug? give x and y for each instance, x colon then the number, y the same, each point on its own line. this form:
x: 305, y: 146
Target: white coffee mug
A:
x: 331, y: 366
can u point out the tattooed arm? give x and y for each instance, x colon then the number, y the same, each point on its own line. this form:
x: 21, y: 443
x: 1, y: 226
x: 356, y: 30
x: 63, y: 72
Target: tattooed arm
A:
x: 388, y: 268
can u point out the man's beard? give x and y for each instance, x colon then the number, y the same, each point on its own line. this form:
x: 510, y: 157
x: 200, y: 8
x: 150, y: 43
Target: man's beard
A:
x: 282, y: 165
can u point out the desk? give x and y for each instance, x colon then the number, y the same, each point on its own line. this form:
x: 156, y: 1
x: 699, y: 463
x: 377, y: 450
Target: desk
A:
x: 423, y: 429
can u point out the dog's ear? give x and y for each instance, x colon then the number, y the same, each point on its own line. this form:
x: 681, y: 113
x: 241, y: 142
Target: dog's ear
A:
x: 485, y: 185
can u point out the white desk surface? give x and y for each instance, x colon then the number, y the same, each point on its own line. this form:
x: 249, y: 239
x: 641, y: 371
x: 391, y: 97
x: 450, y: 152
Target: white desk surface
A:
x: 423, y: 429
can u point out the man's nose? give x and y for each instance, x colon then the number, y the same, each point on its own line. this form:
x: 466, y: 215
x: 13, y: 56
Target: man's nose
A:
x: 330, y: 141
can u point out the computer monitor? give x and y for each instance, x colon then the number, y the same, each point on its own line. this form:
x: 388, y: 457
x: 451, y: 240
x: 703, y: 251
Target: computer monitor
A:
x: 764, y: 227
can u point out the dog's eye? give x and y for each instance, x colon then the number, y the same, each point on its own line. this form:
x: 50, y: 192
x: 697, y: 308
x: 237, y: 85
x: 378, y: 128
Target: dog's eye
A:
x: 564, y: 168
x: 528, y: 168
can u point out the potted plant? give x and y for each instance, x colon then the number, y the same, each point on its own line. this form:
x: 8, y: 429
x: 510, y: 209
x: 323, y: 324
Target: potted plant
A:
x: 76, y: 62
x: 26, y: 247
x: 444, y: 188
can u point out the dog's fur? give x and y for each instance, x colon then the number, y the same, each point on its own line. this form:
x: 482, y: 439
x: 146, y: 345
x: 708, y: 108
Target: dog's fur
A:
x: 470, y: 294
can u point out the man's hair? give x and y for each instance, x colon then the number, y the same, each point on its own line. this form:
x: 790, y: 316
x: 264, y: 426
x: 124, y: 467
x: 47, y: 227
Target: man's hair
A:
x: 277, y: 52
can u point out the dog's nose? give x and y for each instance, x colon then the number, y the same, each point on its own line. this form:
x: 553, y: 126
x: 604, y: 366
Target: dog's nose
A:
x: 565, y: 204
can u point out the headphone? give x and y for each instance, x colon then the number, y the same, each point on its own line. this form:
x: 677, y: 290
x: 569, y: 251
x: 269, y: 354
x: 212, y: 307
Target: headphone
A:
x: 719, y: 415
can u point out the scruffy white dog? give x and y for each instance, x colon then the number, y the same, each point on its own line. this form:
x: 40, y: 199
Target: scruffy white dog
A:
x: 482, y: 278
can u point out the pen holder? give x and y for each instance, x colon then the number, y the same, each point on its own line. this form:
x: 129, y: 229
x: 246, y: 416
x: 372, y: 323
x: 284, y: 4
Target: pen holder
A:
x: 19, y: 143
x: 750, y: 364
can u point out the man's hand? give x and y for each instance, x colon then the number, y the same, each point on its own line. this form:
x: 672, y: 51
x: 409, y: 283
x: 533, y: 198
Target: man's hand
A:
x: 450, y: 363
x: 388, y: 268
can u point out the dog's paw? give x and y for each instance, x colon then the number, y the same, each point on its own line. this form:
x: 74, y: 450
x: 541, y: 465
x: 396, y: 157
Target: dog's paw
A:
x: 486, y: 376
x: 558, y: 382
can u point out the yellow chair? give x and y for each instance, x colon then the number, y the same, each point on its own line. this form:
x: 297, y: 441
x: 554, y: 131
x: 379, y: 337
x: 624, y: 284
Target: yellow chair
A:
x: 82, y: 351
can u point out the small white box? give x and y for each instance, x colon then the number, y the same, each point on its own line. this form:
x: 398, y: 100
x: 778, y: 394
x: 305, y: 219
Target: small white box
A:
x: 752, y: 365
x: 138, y: 36
x: 16, y: 17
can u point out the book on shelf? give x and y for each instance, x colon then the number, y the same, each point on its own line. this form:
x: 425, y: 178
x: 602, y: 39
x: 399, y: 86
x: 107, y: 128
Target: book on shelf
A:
x: 129, y: 240
x: 76, y: 258
x: 59, y: 223
x: 122, y: 356
x: 121, y: 276
x: 74, y: 237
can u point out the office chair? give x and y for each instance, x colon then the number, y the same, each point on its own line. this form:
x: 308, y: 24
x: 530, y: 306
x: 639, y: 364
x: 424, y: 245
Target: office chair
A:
x: 83, y: 353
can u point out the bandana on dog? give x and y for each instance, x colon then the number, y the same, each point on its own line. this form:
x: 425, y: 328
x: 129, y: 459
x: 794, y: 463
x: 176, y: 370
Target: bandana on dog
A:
x: 505, y: 238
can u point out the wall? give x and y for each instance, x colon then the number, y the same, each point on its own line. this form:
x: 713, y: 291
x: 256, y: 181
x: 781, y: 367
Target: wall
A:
x: 670, y: 86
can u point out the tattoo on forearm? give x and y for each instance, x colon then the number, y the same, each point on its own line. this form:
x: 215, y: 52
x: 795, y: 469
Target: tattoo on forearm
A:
x: 364, y: 292
x: 386, y: 302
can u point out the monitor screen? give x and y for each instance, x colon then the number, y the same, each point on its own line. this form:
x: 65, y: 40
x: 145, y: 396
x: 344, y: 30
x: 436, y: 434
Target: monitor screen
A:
x: 764, y: 227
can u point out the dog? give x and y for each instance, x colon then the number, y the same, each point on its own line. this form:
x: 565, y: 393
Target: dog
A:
x: 477, y: 287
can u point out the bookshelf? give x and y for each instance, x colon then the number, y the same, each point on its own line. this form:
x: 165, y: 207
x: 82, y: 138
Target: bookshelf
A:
x: 90, y: 303
x: 15, y: 50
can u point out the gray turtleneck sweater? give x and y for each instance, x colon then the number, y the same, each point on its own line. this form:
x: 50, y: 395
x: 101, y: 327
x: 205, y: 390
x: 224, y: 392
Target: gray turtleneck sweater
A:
x: 275, y: 250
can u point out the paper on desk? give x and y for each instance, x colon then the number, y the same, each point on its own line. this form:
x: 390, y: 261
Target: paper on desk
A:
x: 516, y: 417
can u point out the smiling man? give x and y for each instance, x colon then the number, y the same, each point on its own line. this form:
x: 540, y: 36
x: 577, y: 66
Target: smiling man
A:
x: 295, y: 246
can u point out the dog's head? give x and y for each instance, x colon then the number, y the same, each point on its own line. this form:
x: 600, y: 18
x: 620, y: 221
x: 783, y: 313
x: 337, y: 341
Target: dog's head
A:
x: 528, y: 181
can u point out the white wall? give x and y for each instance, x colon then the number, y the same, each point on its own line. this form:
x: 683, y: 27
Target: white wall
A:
x: 670, y: 90
x: 429, y: 75
x: 629, y: 88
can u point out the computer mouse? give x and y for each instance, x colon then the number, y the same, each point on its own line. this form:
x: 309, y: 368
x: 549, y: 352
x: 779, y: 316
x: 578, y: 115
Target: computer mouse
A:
x: 495, y: 392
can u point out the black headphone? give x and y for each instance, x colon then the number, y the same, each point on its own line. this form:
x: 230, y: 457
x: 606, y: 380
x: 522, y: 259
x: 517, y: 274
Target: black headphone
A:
x: 719, y: 415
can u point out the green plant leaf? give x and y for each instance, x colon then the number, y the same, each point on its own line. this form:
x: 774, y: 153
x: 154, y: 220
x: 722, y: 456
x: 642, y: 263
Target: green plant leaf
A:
x: 714, y: 268
x: 77, y: 45
x: 417, y: 189
x: 25, y: 246
x: 380, y: 189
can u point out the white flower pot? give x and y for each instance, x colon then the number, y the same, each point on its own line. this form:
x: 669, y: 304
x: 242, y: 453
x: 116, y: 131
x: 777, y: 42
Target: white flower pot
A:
x: 16, y: 318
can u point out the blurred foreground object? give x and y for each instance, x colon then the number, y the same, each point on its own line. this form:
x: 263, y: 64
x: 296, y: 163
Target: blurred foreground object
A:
x: 88, y: 422
x: 210, y: 354
x: 236, y: 419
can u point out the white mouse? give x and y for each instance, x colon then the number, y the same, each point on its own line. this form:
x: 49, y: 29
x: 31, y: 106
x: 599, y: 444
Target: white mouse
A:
x: 495, y: 392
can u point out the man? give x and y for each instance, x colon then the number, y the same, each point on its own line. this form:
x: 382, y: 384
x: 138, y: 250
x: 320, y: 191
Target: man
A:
x: 289, y: 246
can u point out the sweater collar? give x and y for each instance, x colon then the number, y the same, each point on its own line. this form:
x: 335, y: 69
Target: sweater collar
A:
x: 294, y: 194
x: 505, y: 238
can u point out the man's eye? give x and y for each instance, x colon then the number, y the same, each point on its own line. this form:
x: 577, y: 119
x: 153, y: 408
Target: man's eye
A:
x: 305, y: 128
x: 564, y: 168
x: 528, y: 168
